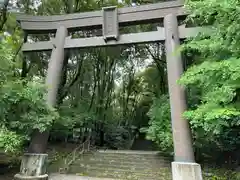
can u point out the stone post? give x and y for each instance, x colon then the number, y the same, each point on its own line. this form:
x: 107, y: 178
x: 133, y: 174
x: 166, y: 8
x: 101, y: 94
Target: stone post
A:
x: 33, y: 166
x: 183, y: 150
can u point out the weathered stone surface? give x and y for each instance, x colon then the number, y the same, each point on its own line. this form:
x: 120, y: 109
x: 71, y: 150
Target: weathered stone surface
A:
x: 132, y: 165
x: 182, y: 139
x: 186, y: 171
x: 34, y: 164
x: 24, y: 177
x: 33, y: 167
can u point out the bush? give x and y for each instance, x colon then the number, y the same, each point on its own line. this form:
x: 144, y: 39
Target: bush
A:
x: 159, y: 129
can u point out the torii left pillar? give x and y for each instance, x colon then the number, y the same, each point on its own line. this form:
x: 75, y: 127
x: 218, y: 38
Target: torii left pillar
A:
x: 34, y: 165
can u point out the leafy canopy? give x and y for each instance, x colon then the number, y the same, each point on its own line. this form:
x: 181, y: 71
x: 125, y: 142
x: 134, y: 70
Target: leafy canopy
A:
x: 22, y: 101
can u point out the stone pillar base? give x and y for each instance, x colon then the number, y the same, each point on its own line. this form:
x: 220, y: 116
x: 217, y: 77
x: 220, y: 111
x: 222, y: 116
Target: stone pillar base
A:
x: 186, y: 171
x: 24, y: 177
x: 33, y: 167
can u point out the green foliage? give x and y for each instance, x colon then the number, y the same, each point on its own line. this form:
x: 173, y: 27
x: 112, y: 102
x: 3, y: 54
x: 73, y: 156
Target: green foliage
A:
x: 212, y: 80
x: 23, y: 106
x: 10, y: 141
x: 78, y: 115
x: 223, y: 17
x: 220, y: 174
x: 215, y: 75
x: 219, y: 83
x: 117, y: 137
x: 6, y: 55
x: 22, y: 101
x: 159, y: 129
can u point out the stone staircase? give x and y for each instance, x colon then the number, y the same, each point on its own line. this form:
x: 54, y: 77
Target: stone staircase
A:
x: 132, y: 165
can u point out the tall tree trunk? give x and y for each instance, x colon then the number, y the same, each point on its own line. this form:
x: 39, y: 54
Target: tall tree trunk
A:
x: 3, y: 16
x: 61, y: 94
x: 38, y: 142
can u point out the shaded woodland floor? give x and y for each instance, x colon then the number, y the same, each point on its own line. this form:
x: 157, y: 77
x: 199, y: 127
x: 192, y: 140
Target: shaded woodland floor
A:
x: 7, y: 174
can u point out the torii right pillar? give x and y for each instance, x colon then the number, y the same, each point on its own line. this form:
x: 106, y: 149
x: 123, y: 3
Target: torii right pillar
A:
x: 184, y: 166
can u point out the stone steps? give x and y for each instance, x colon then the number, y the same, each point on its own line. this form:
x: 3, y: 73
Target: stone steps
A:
x: 57, y: 176
x: 132, y: 165
x: 162, y: 174
x: 122, y: 165
x: 122, y: 161
x: 136, y: 158
x: 124, y: 155
x: 115, y: 168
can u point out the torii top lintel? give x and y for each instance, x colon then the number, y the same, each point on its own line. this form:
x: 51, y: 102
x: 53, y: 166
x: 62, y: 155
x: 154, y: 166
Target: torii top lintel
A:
x: 126, y: 16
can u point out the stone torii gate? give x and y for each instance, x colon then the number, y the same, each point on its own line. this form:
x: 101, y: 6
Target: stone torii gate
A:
x: 109, y: 19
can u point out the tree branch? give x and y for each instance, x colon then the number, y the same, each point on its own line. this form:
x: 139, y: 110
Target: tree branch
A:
x: 74, y: 80
x: 155, y: 58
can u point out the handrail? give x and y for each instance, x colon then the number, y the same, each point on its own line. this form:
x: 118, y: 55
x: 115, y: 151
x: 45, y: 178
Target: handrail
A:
x: 75, y: 154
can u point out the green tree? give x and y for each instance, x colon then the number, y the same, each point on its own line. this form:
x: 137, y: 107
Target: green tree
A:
x: 212, y: 81
x: 22, y: 106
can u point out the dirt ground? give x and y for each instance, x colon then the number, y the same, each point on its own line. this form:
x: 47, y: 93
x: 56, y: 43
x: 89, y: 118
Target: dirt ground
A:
x: 8, y: 174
